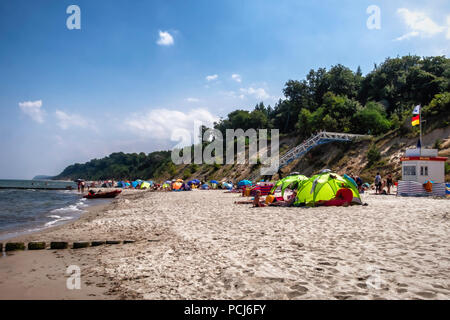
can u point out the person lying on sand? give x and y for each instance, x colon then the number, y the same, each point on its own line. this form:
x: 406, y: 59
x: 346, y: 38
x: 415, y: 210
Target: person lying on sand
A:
x: 257, y: 202
x: 289, y: 202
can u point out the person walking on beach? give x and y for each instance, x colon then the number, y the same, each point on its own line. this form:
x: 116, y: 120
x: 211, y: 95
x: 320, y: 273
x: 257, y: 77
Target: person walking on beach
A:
x: 389, y: 183
x: 359, y: 183
x: 377, y: 183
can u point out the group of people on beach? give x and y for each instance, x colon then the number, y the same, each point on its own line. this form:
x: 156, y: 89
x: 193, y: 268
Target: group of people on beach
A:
x: 381, y: 184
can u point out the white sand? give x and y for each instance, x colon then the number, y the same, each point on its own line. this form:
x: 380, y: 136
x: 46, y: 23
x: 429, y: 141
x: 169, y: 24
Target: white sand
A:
x: 211, y: 248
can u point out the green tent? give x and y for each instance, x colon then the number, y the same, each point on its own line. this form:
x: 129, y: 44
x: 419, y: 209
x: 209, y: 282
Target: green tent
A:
x: 145, y: 185
x: 276, y: 185
x: 323, y: 186
x: 292, y: 182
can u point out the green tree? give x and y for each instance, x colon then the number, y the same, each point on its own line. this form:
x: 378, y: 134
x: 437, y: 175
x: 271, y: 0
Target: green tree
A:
x: 371, y: 120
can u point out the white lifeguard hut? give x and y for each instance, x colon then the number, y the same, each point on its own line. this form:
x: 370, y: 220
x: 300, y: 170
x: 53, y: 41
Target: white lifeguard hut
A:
x: 418, y: 167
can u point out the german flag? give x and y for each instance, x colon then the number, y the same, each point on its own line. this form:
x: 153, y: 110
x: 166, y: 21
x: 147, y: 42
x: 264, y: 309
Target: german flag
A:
x: 415, y: 121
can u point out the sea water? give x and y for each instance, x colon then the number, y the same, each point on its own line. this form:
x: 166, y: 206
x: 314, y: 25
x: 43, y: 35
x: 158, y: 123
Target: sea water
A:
x: 26, y: 211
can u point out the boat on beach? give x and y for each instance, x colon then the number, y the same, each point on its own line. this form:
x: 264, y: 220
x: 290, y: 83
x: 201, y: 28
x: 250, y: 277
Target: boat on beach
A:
x: 102, y: 195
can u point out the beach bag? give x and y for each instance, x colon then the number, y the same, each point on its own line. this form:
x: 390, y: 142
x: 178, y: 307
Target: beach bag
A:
x: 270, y: 199
x: 428, y: 186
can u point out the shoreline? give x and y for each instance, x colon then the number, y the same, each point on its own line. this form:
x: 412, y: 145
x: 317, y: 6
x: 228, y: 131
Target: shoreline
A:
x: 200, y: 245
x: 29, y: 272
x: 24, y: 232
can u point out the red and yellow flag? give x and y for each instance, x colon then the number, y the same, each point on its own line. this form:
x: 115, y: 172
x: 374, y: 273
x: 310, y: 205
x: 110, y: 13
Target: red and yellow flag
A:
x: 415, y: 121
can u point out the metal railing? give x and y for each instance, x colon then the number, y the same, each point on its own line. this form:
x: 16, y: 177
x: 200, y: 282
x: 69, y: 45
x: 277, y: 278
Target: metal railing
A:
x: 314, y: 141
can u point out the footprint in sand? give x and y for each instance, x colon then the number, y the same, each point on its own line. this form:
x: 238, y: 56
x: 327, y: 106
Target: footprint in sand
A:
x: 361, y: 285
x: 427, y: 295
x: 298, y: 290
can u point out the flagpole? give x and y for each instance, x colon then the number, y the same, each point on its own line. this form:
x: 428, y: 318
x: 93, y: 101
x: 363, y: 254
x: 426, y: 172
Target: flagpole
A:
x: 420, y: 123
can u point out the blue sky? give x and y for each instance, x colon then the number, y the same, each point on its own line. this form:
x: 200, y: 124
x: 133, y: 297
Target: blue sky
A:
x: 137, y: 70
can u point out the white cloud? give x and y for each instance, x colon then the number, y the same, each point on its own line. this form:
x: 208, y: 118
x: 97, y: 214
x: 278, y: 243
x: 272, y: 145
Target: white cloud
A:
x: 236, y: 77
x: 408, y: 36
x: 192, y: 100
x: 212, y: 77
x: 161, y: 123
x: 65, y: 120
x: 419, y: 23
x: 33, y: 110
x: 258, y: 93
x: 165, y: 39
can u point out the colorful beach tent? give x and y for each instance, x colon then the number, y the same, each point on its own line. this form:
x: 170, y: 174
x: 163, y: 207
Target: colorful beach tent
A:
x: 195, y: 181
x: 276, y: 185
x: 292, y: 182
x: 226, y: 185
x: 145, y: 185
x: 324, y: 186
x: 177, y: 185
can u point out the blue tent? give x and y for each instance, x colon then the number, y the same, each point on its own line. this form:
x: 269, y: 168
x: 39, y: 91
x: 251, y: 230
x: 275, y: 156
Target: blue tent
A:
x: 214, y: 181
x: 186, y: 187
x: 205, y: 187
x: 244, y: 183
x: 228, y: 186
x: 134, y: 184
x: 195, y: 181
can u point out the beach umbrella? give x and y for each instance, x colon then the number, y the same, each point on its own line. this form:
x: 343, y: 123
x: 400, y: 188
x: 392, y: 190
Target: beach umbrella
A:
x: 324, y: 186
x: 179, y: 180
x: 214, y: 181
x: 244, y: 183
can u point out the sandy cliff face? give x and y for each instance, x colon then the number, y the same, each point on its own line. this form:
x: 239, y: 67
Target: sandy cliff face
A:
x: 339, y: 157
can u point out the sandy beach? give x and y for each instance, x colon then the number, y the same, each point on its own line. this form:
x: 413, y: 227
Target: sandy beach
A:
x: 200, y: 245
